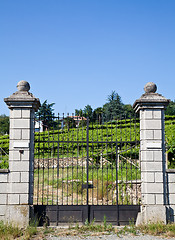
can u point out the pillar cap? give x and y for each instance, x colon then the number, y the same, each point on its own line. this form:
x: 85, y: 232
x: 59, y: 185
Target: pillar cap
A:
x: 23, y: 98
x: 23, y: 86
x: 150, y: 99
x: 150, y: 87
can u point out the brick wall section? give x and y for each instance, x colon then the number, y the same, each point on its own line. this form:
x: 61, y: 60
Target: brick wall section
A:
x: 3, y: 192
x: 20, y: 161
x: 151, y: 107
x: 152, y: 157
x: 170, y: 176
x: 18, y: 190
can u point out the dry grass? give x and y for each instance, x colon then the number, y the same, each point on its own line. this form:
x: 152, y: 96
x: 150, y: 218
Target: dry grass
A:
x: 10, y: 232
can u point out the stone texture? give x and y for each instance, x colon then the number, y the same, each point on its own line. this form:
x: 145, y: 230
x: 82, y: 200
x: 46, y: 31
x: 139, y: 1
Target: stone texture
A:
x: 3, y: 199
x: 22, y: 105
x: 3, y: 209
x: 152, y: 214
x: 13, y: 199
x: 3, y: 177
x: 18, y: 214
x: 151, y: 106
x: 14, y: 177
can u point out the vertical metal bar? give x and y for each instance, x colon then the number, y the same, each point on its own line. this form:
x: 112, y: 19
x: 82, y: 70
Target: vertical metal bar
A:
x: 135, y: 158
x: 43, y: 165
x: 111, y: 157
x: 121, y: 163
x: 52, y: 158
x: 97, y: 162
x: 126, y: 168
x: 58, y: 156
x: 116, y: 164
x: 67, y: 158
x: 87, y: 162
x: 72, y: 157
x: 48, y: 166
x: 38, y: 173
x: 92, y: 164
x: 102, y: 168
x: 62, y: 177
x: 131, y: 165
x: 77, y: 159
x: 82, y: 163
x: 107, y: 161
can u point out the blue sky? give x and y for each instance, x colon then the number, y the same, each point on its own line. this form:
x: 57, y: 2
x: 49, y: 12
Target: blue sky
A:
x: 75, y: 52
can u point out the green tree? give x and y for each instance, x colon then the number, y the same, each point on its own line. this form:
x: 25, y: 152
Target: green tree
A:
x: 88, y: 111
x: 114, y: 107
x: 69, y: 122
x: 4, y: 124
x: 46, y: 114
x: 79, y: 112
x: 128, y: 111
x: 98, y: 114
x: 170, y: 108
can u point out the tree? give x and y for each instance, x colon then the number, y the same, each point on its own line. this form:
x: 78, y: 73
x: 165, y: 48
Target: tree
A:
x: 45, y: 114
x: 128, y: 111
x: 69, y: 122
x: 170, y: 108
x: 114, y: 107
x: 98, y: 114
x: 4, y: 124
x: 79, y: 112
x: 88, y: 111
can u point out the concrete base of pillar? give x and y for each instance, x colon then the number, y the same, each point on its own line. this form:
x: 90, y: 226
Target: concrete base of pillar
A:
x: 18, y: 215
x: 152, y: 214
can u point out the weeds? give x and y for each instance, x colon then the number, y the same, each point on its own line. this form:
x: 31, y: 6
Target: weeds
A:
x: 8, y: 231
x: 93, y: 227
x: 158, y: 229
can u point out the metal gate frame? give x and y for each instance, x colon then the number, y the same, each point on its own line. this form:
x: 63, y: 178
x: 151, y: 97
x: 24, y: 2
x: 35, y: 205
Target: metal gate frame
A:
x: 57, y: 214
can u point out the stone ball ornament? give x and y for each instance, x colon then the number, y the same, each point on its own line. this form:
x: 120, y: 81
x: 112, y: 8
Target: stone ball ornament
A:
x: 23, y: 86
x: 150, y: 87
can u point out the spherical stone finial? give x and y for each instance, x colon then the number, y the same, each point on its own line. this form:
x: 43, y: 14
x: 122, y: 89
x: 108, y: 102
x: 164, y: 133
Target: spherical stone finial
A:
x: 150, y: 87
x: 23, y: 86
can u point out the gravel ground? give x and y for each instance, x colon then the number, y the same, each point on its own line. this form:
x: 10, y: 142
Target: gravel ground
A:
x: 109, y: 237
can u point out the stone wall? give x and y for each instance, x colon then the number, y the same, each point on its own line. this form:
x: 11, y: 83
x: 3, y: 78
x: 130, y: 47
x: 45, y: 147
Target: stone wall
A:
x: 4, y: 175
x: 16, y: 186
x: 170, y: 196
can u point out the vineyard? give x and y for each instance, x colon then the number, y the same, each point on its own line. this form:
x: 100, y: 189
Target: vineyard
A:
x: 126, y: 130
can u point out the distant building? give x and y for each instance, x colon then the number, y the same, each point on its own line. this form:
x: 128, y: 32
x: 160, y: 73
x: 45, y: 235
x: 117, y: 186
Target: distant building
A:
x: 78, y: 119
x: 38, y: 126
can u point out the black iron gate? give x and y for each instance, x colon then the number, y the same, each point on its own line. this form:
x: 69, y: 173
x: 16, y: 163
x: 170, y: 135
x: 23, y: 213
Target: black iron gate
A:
x: 85, y: 170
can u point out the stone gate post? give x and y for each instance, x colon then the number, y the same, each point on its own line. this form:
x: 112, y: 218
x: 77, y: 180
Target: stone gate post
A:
x: 151, y: 106
x: 22, y: 105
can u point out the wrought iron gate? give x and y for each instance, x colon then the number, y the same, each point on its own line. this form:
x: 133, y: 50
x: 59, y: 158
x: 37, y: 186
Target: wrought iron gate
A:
x: 85, y: 170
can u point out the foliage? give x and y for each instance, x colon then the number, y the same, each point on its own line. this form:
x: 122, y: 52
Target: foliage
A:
x: 158, y: 229
x: 88, y: 112
x: 45, y: 114
x: 128, y: 111
x: 8, y: 231
x: 104, y: 131
x: 4, y: 124
x: 170, y: 110
x: 69, y: 122
x: 79, y: 112
x: 113, y: 109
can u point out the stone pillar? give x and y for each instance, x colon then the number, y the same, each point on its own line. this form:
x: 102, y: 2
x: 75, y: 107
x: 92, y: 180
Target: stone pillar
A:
x: 151, y: 106
x: 22, y: 105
